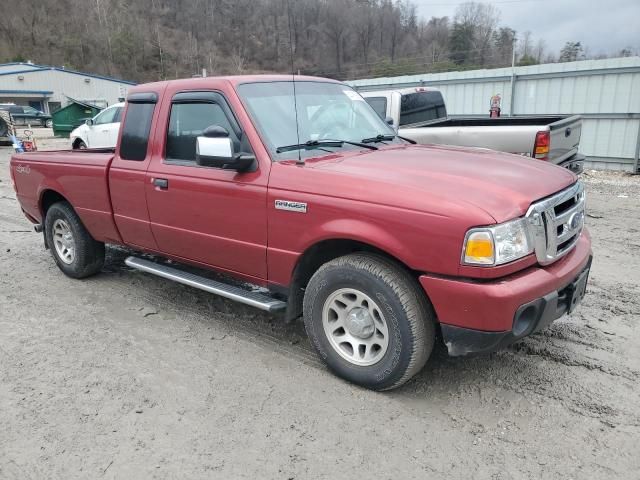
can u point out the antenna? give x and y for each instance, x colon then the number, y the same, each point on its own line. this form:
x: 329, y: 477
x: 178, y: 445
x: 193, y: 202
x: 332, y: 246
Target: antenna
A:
x: 293, y: 78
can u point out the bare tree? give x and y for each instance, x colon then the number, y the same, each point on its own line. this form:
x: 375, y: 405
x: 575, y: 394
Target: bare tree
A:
x: 145, y: 40
x: 483, y: 19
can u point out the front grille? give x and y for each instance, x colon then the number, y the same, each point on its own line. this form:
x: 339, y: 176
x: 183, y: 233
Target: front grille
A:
x: 556, y: 222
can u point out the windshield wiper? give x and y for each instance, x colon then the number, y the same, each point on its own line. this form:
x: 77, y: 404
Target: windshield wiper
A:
x: 386, y: 138
x: 320, y: 144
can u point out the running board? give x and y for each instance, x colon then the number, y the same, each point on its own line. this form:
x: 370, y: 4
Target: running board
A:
x: 254, y: 299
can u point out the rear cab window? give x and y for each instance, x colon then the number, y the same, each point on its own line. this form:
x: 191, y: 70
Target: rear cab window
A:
x: 137, y: 125
x: 422, y: 107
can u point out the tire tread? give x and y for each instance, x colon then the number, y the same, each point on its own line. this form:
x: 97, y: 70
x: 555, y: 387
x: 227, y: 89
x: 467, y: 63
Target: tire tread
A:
x: 89, y: 252
x: 417, y: 308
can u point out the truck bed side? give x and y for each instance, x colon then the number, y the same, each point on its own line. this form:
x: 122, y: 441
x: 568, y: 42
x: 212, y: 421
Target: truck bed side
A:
x: 505, y: 138
x: 506, y: 134
x: 80, y: 177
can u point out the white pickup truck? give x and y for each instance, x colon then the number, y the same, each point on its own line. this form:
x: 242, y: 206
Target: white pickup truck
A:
x: 420, y: 114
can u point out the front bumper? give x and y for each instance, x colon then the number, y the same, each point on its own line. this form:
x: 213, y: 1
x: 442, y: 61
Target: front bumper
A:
x: 481, y: 316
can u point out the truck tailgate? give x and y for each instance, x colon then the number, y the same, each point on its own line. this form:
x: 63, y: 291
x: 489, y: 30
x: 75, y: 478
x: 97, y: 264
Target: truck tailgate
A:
x: 79, y: 176
x: 565, y: 138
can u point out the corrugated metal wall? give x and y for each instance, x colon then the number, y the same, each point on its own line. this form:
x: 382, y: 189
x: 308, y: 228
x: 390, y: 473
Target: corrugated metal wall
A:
x: 605, y: 92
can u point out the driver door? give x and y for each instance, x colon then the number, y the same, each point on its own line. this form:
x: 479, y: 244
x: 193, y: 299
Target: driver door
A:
x: 206, y: 215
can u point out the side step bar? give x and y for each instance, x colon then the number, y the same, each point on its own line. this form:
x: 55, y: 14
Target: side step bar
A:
x: 254, y: 299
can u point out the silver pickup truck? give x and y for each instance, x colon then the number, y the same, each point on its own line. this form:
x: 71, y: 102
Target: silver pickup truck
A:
x: 420, y: 114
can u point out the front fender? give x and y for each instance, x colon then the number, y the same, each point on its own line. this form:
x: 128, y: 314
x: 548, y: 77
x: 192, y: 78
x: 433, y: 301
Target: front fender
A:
x: 359, y: 231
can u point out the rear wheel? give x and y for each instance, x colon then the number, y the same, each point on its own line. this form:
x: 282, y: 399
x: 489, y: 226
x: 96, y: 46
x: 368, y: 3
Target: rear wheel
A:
x: 48, y: 123
x: 73, y: 248
x: 369, y: 321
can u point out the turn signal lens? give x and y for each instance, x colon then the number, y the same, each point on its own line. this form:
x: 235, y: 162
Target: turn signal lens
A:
x: 479, y: 249
x: 497, y: 244
x: 541, y: 148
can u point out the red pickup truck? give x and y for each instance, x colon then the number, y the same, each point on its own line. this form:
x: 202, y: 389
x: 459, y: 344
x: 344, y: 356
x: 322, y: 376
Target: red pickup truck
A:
x: 382, y: 246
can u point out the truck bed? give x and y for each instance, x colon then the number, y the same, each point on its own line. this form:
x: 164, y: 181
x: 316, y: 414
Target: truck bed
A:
x: 507, y: 134
x: 80, y: 176
x: 486, y: 121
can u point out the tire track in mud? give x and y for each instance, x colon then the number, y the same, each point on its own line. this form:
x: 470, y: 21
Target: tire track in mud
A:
x: 540, y: 346
x: 574, y: 384
x: 582, y: 396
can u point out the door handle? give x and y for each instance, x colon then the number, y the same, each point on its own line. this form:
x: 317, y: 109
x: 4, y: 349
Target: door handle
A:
x: 161, y: 183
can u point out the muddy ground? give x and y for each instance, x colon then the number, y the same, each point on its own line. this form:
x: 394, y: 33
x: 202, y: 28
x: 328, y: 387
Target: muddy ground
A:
x: 129, y: 376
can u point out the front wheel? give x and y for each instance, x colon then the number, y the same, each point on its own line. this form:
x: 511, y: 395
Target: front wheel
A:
x: 369, y: 321
x: 73, y: 248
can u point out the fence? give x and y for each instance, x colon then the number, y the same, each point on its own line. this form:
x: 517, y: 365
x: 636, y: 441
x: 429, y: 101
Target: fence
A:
x: 606, y: 93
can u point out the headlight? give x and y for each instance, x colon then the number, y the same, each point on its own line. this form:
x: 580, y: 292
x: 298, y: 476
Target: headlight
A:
x: 496, y: 245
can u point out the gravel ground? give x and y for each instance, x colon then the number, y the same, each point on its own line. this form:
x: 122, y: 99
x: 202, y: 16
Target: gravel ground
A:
x: 125, y: 375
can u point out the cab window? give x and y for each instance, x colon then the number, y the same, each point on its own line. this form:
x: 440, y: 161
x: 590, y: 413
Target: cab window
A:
x: 135, y: 131
x: 187, y: 122
x: 421, y: 107
x: 118, y: 115
x: 106, y: 116
x: 379, y: 104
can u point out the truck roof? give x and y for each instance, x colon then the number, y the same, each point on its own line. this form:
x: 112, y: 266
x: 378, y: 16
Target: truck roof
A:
x: 401, y: 91
x: 235, y: 80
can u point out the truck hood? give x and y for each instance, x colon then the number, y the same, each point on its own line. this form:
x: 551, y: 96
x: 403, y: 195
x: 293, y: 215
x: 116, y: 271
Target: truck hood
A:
x: 420, y: 176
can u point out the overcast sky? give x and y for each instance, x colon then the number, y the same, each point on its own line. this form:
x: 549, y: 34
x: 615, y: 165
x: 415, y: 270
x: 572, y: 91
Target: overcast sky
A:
x: 604, y: 26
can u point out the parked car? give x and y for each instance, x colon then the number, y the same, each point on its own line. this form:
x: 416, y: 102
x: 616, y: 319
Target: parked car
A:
x: 99, y: 132
x: 421, y: 115
x: 9, y: 135
x: 25, y: 115
x: 381, y: 245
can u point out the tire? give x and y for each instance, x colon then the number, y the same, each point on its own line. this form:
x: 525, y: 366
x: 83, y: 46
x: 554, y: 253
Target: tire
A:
x: 80, y: 145
x: 74, y: 250
x: 378, y: 296
x: 48, y: 123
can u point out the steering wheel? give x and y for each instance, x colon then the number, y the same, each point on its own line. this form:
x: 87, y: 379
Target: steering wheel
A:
x: 336, y: 131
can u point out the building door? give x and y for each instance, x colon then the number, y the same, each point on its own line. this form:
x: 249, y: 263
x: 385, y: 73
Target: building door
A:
x: 54, y: 107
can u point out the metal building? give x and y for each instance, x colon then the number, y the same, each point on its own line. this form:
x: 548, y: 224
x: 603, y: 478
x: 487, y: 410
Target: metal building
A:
x: 47, y: 88
x: 605, y: 92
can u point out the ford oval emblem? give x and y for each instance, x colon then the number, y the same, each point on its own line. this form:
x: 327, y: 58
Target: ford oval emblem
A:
x: 567, y: 132
x: 575, y: 222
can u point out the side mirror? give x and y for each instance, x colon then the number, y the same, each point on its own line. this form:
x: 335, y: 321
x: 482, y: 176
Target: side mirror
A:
x: 215, y: 149
x: 88, y: 122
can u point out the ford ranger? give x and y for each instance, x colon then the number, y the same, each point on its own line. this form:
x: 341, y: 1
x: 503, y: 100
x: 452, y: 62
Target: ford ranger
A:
x: 298, y: 187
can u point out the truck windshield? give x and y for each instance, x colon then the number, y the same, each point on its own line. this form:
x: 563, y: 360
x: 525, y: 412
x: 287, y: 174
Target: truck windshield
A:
x: 326, y: 111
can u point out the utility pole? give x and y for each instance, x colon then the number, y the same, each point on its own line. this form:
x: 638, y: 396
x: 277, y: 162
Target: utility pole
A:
x: 513, y: 77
